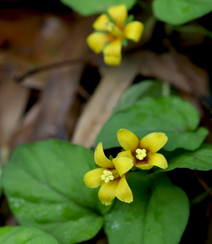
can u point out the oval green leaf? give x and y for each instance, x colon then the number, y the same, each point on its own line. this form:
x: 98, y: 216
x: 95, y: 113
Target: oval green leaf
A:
x: 138, y: 91
x: 158, y: 214
x: 178, y: 12
x: 200, y: 159
x: 44, y: 185
x: 90, y: 7
x: 24, y: 235
x: 171, y: 115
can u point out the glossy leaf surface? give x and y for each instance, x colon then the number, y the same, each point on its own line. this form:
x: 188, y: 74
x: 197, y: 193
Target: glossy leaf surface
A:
x: 158, y: 214
x: 44, y: 185
x: 24, y: 235
x: 177, y: 118
x: 180, y: 11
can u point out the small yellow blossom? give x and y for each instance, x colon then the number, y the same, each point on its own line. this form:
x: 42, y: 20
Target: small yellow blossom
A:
x: 111, y: 30
x: 111, y: 177
x: 143, y: 152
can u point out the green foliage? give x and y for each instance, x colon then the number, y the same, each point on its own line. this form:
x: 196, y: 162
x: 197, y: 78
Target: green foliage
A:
x: 158, y: 214
x: 171, y: 115
x: 136, y: 92
x: 86, y: 7
x: 129, y: 19
x: 24, y: 235
x: 200, y: 159
x: 44, y: 185
x: 180, y: 11
x: 43, y: 181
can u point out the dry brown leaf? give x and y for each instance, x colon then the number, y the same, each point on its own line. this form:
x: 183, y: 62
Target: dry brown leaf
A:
x: 13, y: 101
x: 60, y: 93
x: 106, y: 96
x: 57, y: 98
x: 25, y: 132
x: 176, y: 69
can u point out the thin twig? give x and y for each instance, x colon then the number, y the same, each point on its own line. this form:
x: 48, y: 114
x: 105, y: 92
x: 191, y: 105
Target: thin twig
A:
x: 47, y: 67
x: 202, y: 182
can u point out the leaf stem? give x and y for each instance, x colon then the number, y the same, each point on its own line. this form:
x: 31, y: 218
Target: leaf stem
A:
x: 165, y: 89
x: 199, y: 198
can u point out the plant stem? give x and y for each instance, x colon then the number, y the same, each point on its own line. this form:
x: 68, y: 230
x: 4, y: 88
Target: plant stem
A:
x: 165, y: 91
x: 199, y: 198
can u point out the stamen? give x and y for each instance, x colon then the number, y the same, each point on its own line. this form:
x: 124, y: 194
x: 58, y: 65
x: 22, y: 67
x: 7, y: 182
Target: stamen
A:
x: 113, y: 29
x: 110, y: 26
x: 140, y: 153
x: 107, y: 176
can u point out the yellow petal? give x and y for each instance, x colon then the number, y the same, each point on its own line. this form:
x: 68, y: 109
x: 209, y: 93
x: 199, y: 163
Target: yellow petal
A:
x: 123, y: 164
x: 118, y: 14
x: 96, y: 41
x: 144, y: 166
x: 112, y: 53
x: 100, y: 22
x: 134, y: 30
x: 101, y: 159
x: 107, y: 192
x: 153, y: 141
x: 127, y: 154
x: 157, y: 159
x: 123, y: 191
x: 127, y: 139
x: 93, y: 178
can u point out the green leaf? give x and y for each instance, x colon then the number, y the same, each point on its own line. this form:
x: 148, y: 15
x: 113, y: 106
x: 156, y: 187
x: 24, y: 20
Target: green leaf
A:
x: 171, y: 115
x: 24, y: 235
x: 124, y: 42
x: 138, y: 91
x: 86, y: 7
x: 129, y: 19
x: 44, y: 185
x: 159, y: 213
x: 178, y: 12
x: 201, y: 159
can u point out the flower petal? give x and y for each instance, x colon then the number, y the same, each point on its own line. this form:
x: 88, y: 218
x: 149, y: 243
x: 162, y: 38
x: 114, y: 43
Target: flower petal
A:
x: 127, y: 154
x: 153, y: 141
x: 93, y: 178
x: 134, y: 30
x: 142, y: 165
x: 100, y: 22
x: 123, y: 191
x: 107, y: 192
x: 101, y: 159
x: 96, y: 41
x: 112, y: 53
x: 127, y: 139
x: 118, y: 14
x: 123, y: 164
x: 157, y: 159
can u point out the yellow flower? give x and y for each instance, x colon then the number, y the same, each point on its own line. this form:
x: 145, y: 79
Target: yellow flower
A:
x: 143, y: 152
x: 111, y: 177
x: 110, y: 29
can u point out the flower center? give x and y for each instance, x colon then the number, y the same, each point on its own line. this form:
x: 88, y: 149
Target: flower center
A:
x: 109, y: 175
x: 113, y: 29
x: 140, y: 153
